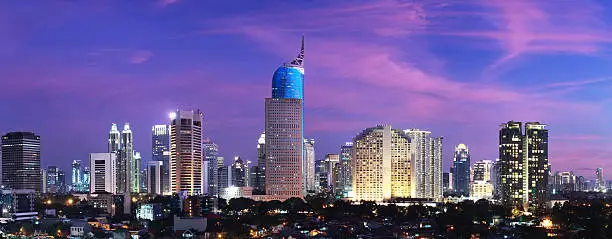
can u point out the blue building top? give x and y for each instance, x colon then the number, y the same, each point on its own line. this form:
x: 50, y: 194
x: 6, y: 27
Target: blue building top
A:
x: 288, y: 79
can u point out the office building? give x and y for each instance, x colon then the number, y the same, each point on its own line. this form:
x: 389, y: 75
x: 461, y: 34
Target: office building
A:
x: 258, y: 172
x: 211, y: 153
x: 86, y: 176
x: 523, y: 175
x: 344, y: 180
x: 103, y: 174
x: 308, y: 166
x: 52, y: 179
x: 482, y: 170
x: 21, y: 161
x: 600, y: 183
x: 446, y: 182
x: 461, y: 170
x: 154, y: 177
x: 426, y: 155
x: 131, y: 172
x: 77, y: 176
x: 284, y: 127
x: 160, y: 136
x: 563, y: 182
x: 17, y: 205
x: 481, y: 190
x: 186, y: 152
x: 239, y: 173
x: 381, y: 167
x: 61, y: 181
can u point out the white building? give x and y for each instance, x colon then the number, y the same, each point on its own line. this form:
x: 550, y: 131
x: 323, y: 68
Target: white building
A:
x: 235, y: 192
x: 308, y: 166
x: 103, y: 172
x: 186, y: 152
x: 481, y: 190
x: 426, y: 164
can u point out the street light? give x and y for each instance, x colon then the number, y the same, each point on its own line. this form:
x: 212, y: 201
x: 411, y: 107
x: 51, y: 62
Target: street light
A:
x: 70, y: 201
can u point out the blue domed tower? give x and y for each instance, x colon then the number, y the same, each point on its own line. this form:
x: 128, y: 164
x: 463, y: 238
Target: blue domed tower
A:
x: 284, y: 140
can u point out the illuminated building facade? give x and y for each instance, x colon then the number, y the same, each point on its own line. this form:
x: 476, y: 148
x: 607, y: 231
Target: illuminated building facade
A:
x: 524, y: 169
x: 284, y: 127
x: 344, y: 180
x: 461, y: 170
x: 186, y: 152
x: 211, y: 153
x: 381, y: 164
x: 308, y: 166
x: 103, y: 173
x: 600, y: 183
x: 160, y: 137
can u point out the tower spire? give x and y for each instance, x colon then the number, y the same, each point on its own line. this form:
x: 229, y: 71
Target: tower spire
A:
x: 299, y: 60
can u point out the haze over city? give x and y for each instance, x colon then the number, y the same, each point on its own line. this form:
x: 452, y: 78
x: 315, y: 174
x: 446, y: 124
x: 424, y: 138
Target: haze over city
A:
x: 68, y: 69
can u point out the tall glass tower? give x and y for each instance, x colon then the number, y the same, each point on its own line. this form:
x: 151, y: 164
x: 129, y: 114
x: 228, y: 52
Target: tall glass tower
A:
x: 461, y: 170
x: 161, y: 152
x: 284, y: 141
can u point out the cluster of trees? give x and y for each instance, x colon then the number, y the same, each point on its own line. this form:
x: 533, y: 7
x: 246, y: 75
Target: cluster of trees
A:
x: 584, y: 219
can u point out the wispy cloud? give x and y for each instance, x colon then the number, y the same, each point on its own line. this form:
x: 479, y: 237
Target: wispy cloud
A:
x: 140, y: 56
x: 165, y: 3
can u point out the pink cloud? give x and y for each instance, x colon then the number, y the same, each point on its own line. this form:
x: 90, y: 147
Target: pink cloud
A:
x: 140, y: 56
x: 165, y: 3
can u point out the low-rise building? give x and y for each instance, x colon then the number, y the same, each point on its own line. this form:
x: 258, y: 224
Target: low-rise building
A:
x: 235, y: 192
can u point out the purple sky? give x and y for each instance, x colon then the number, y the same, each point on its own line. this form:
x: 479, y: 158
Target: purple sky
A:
x: 68, y: 69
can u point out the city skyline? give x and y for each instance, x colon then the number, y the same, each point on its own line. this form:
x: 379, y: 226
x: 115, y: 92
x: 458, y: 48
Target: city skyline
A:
x: 58, y: 66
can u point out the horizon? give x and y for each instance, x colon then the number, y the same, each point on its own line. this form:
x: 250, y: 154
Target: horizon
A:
x: 458, y: 70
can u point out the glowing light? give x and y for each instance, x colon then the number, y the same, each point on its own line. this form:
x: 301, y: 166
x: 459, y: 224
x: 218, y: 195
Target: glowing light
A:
x: 49, y: 201
x: 70, y: 201
x: 546, y: 223
x: 172, y: 115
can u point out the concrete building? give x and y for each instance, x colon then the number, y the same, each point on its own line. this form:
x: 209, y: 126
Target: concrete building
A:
x: 344, y: 180
x: 103, y: 172
x: 186, y: 152
x: 211, y: 175
x: 381, y: 164
x: 461, y: 170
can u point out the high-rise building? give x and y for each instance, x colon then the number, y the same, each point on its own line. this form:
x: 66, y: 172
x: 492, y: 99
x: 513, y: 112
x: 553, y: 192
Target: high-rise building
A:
x: 563, y: 182
x: 328, y: 172
x: 77, y: 176
x: 131, y: 173
x: 44, y: 180
x: 86, y: 176
x: 21, y: 161
x: 446, y: 182
x: 114, y: 139
x: 426, y: 158
x: 211, y: 153
x: 524, y: 168
x: 461, y: 170
x: 239, y: 173
x: 344, y: 181
x: 535, y: 153
x: 161, y: 152
x: 482, y: 170
x: 186, y: 152
x: 154, y: 177
x: 381, y: 164
x: 308, y: 166
x: 600, y: 183
x: 258, y: 172
x: 61, y: 181
x: 103, y: 175
x: 284, y: 127
x: 52, y: 182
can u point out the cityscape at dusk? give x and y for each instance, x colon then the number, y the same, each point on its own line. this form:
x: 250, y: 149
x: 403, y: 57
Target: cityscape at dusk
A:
x: 310, y: 119
x: 459, y: 70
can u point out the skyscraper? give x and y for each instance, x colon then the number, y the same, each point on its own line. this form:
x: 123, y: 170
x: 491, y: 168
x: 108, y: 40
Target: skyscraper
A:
x: 523, y: 171
x: 381, y: 164
x: 86, y: 176
x: 308, y: 166
x: 600, y: 183
x: 161, y: 152
x: 344, y: 185
x: 511, y: 165
x: 21, y: 161
x: 52, y: 179
x: 114, y: 139
x: 535, y: 154
x: 211, y: 153
x: 154, y: 177
x: 258, y: 172
x: 186, y: 152
x: 77, y: 176
x: 284, y: 127
x: 103, y: 175
x: 482, y: 170
x: 129, y: 170
x: 239, y: 173
x: 461, y: 170
x: 426, y: 158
